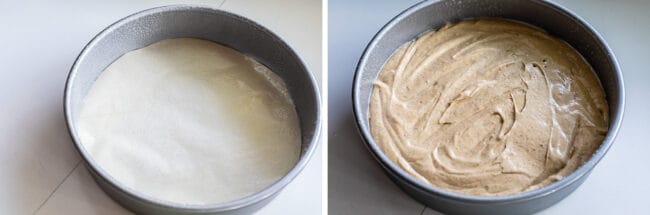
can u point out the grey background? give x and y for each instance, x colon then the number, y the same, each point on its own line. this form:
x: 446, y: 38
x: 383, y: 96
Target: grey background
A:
x: 618, y: 184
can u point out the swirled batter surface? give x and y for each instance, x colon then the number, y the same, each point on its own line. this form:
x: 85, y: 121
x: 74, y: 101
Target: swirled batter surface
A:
x: 488, y: 107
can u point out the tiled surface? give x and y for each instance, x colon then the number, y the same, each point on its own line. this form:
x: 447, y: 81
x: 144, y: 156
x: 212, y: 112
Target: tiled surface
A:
x: 39, y: 171
x: 618, y: 185
x: 79, y: 194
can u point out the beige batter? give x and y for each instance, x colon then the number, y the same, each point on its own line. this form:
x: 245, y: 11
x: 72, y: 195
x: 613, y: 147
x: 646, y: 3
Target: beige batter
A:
x: 190, y: 121
x: 488, y: 107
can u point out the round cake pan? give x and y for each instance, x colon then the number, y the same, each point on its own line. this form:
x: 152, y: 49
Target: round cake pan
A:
x: 430, y: 15
x: 149, y: 26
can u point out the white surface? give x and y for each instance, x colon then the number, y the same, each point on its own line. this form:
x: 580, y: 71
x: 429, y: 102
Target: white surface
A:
x: 190, y: 121
x: 618, y: 185
x: 40, y: 171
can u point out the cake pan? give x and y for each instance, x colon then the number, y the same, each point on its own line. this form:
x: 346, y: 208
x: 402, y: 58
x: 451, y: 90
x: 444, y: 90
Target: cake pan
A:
x: 149, y: 26
x: 430, y: 15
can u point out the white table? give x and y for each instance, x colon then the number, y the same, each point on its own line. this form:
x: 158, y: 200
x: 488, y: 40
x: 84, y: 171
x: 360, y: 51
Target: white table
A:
x: 620, y: 184
x: 40, y: 172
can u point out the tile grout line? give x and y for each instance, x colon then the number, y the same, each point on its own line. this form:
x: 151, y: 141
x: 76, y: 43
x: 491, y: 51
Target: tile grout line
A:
x: 57, y: 187
x: 423, y: 209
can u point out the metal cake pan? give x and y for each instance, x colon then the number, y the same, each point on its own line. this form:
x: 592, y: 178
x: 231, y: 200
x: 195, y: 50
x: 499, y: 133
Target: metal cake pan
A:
x: 149, y: 26
x: 430, y: 15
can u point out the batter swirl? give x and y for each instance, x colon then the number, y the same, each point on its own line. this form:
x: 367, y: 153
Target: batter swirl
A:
x: 488, y: 107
